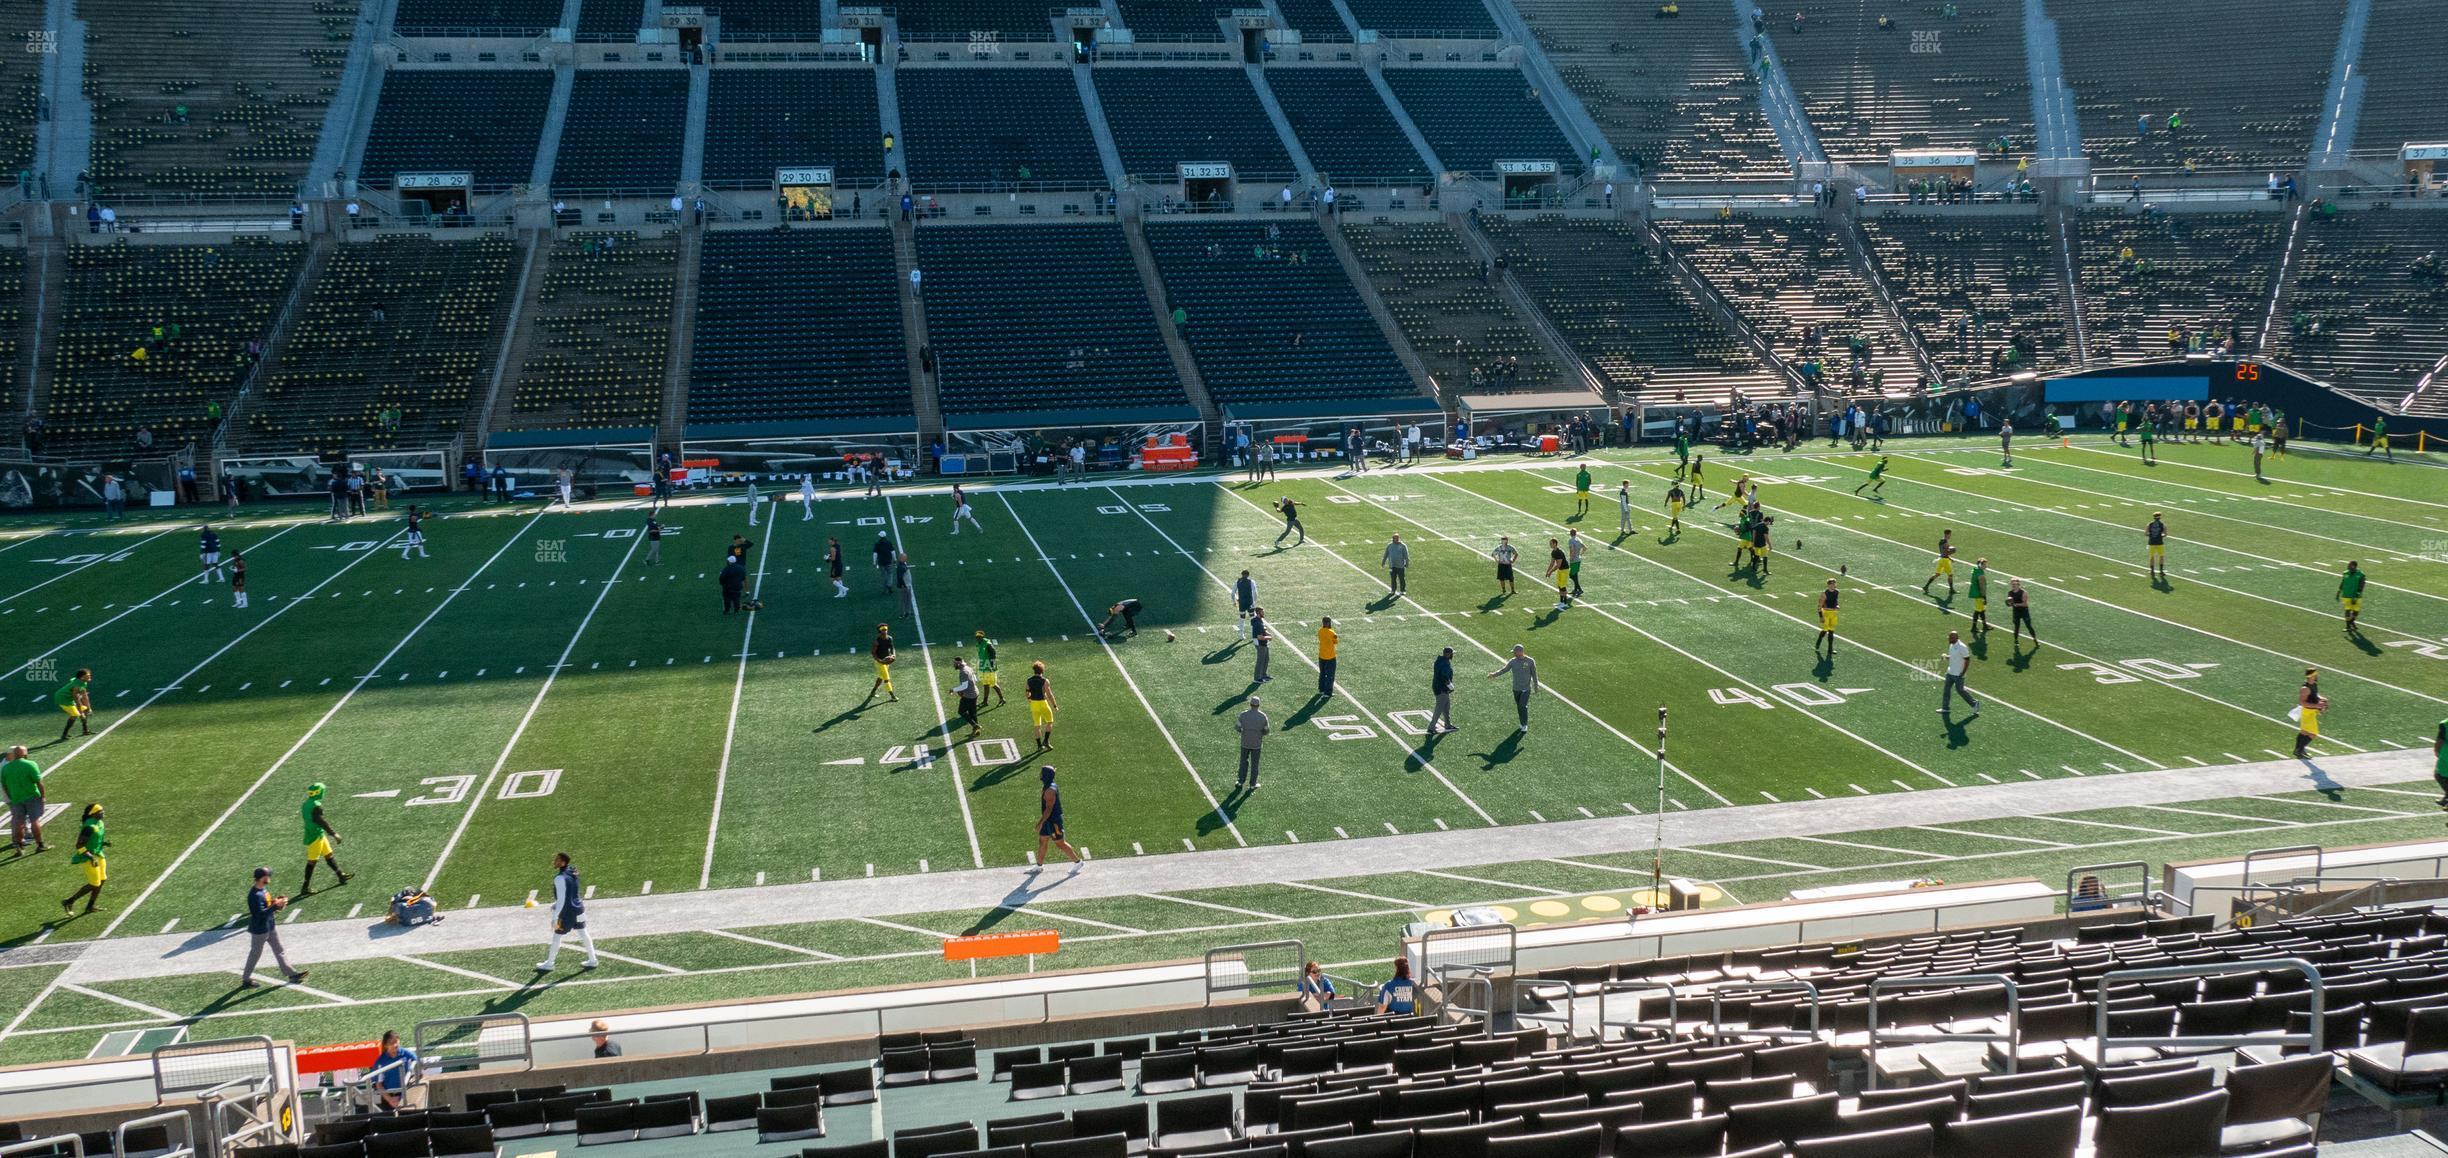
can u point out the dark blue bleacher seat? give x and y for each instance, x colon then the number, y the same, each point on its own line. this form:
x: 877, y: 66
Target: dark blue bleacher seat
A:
x: 967, y: 126
x: 1164, y: 116
x: 769, y: 19
x: 760, y: 120
x: 482, y: 122
x: 1317, y: 20
x: 442, y: 17
x: 1008, y: 20
x: 610, y: 19
x: 1420, y: 17
x: 1172, y: 20
x: 798, y: 326
x: 1344, y: 127
x: 1273, y: 320
x: 1475, y: 117
x: 1041, y: 318
x: 623, y: 132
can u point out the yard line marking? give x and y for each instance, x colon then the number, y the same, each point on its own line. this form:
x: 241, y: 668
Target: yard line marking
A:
x: 2333, y: 804
x: 1707, y: 851
x: 2243, y: 820
x: 115, y: 999
x: 1040, y: 912
x: 1498, y: 884
x: 2104, y: 824
x: 657, y: 966
x: 311, y: 991
x: 1492, y: 653
x: 739, y: 684
x: 926, y: 655
x: 1397, y: 902
x: 528, y: 717
x: 105, y: 557
x: 2400, y: 792
x: 470, y: 974
x: 1991, y: 835
x: 1383, y: 729
x: 132, y: 609
x: 1583, y: 864
x: 2240, y: 474
x: 1212, y: 905
x: 1991, y: 696
x: 260, y: 781
x: 172, y: 925
x: 1870, y: 847
x: 879, y: 921
x: 782, y: 945
x: 2257, y: 525
x: 1195, y: 780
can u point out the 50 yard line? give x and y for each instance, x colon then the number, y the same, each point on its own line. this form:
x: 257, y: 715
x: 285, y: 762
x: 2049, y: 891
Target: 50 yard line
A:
x: 739, y: 683
x: 926, y: 658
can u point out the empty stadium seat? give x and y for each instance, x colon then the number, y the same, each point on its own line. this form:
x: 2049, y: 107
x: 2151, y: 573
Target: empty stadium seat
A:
x: 485, y: 123
x: 2248, y: 91
x: 623, y: 133
x: 1475, y: 117
x: 1344, y: 127
x: 1164, y: 117
x: 970, y: 128
x: 1040, y: 318
x: 1870, y: 90
x: 760, y: 120
x: 798, y: 325
x: 599, y: 335
x: 1270, y: 316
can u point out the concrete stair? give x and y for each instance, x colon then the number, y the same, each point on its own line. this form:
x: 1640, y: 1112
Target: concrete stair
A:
x: 1194, y: 384
x: 926, y: 402
x: 683, y: 344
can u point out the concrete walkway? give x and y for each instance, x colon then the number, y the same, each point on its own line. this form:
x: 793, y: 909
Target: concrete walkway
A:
x: 981, y: 889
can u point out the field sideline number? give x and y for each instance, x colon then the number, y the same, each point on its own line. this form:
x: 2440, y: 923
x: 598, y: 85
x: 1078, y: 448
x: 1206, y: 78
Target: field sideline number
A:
x: 1802, y: 695
x: 2153, y: 668
x: 2423, y: 648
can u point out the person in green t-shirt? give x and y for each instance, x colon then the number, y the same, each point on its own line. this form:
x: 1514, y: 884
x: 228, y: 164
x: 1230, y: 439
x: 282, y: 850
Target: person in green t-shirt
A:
x: 2150, y: 449
x: 2380, y: 440
x: 320, y: 837
x: 21, y: 781
x: 1980, y: 594
x: 88, y: 856
x: 76, y: 699
x: 2350, y: 594
x: 1581, y: 489
x: 2439, y: 760
x: 1878, y: 477
x: 987, y: 679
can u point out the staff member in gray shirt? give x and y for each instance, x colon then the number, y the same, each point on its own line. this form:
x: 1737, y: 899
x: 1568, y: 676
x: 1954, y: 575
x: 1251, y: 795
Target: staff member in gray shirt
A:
x: 1262, y: 636
x: 1253, y: 724
x: 1525, y: 682
x: 1440, y: 685
x: 1397, y: 560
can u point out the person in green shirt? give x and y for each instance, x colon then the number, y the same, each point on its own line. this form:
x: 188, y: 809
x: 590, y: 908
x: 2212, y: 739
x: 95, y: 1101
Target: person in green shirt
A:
x: 320, y: 837
x: 2439, y: 760
x: 988, y: 680
x: 1878, y: 477
x: 1682, y: 446
x: 1980, y: 594
x: 76, y: 699
x: 90, y: 842
x: 2150, y: 450
x: 1581, y: 489
x: 2380, y: 440
x: 2350, y: 594
x: 21, y: 781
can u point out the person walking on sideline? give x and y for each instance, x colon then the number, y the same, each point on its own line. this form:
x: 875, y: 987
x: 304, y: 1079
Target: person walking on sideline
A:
x: 807, y: 498
x: 833, y: 566
x: 1050, y: 819
x: 1623, y: 508
x: 91, y: 841
x: 1245, y: 601
x: 2309, y: 704
x: 654, y: 544
x: 1440, y: 686
x: 962, y: 511
x: 1041, y: 705
x: 965, y: 692
x: 2155, y: 537
x: 263, y: 931
x: 21, y: 779
x: 884, y: 560
x: 1525, y: 683
x: 1397, y: 559
x: 734, y: 581
x: 1253, y: 726
x: 1327, y: 639
x: 2018, y: 601
x: 1263, y: 640
x: 2350, y: 595
x: 753, y: 500
x: 988, y: 679
x: 568, y: 915
x: 1958, y: 664
x: 320, y: 837
x: 882, y: 652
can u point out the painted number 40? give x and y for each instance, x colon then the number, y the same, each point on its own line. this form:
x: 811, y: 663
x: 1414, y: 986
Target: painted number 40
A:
x: 1800, y: 695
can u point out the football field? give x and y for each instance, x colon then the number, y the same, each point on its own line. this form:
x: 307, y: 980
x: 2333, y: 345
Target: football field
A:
x: 536, y: 686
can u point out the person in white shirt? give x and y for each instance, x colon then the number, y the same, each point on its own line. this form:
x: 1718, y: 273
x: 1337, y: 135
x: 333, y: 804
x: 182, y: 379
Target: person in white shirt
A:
x: 1958, y: 664
x: 807, y: 498
x: 1079, y: 461
x: 961, y: 510
x: 752, y: 503
x: 1623, y: 508
x: 567, y: 483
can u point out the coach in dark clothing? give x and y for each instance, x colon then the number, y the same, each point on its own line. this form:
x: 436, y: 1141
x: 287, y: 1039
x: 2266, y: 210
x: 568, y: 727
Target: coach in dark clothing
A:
x: 263, y: 932
x: 1440, y: 685
x: 734, y: 579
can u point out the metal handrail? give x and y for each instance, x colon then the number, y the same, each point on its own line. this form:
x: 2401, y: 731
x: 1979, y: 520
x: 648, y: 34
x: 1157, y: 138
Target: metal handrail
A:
x: 186, y: 1133
x: 1481, y: 976
x: 2108, y: 899
x: 218, y: 1105
x: 426, y: 1054
x: 1207, y: 962
x: 2102, y: 1043
x: 50, y: 1145
x: 2013, y: 1036
x: 1718, y: 1031
x: 2245, y: 876
x: 2258, y: 908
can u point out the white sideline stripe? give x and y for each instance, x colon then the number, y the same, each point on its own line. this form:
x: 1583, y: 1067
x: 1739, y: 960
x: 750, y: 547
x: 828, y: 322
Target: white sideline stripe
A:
x: 105, y: 557
x: 1607, y: 868
x: 1195, y: 780
x: 2332, y: 804
x: 1803, y: 865
x: 2403, y: 792
x: 928, y: 933
x: 551, y: 675
x: 1212, y: 905
x: 1990, y: 835
x: 657, y: 966
x: 2131, y: 611
x: 1397, y: 902
x: 470, y: 974
x: 1499, y: 884
x: 739, y: 683
x: 1491, y: 653
x: 181, y: 859
x: 1383, y: 728
x: 1034, y: 911
x: 926, y: 656
x: 1871, y: 847
x: 132, y: 609
x: 115, y: 999
x: 782, y: 945
x: 1835, y: 524
x: 2244, y: 820
x: 2105, y: 824
x: 310, y: 991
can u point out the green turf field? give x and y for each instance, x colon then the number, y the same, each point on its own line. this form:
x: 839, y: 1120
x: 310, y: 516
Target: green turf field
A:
x: 534, y: 686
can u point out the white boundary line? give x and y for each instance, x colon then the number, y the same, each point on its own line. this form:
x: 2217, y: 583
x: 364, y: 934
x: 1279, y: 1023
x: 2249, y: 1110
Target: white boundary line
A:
x: 943, y: 723
x: 1388, y: 731
x: 1484, y: 649
x: 180, y: 860
x: 2144, y: 614
x: 1212, y: 905
x: 1988, y: 696
x: 13, y: 596
x: 115, y: 999
x: 470, y: 974
x: 739, y: 683
x: 1090, y: 620
x: 641, y: 962
x: 2305, y: 447
x: 1314, y: 887
x: 1661, y: 642
x: 509, y: 746
x: 1536, y: 890
x: 802, y: 950
x: 133, y: 608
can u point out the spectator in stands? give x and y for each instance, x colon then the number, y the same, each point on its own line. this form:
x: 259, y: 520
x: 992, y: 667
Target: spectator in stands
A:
x: 905, y: 207
x: 394, y: 1069
x: 601, y: 1034
x: 501, y: 483
x: 1399, y: 994
x: 352, y: 214
x: 144, y: 439
x: 297, y: 217
x: 93, y: 218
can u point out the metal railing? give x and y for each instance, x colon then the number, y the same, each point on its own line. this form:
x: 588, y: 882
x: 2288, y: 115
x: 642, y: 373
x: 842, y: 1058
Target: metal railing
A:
x: 2012, y: 1035
x: 2319, y: 862
x: 1465, y: 978
x: 2311, y: 1037
x: 74, y: 1145
x: 185, y: 1148
x: 447, y: 1044
x: 1717, y: 996
x: 1244, y: 978
x: 247, y: 1118
x: 198, y: 1066
x: 2107, y: 899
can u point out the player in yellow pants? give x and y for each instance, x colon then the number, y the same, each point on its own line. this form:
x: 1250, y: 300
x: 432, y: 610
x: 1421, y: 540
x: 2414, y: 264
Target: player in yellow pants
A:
x: 2308, y: 706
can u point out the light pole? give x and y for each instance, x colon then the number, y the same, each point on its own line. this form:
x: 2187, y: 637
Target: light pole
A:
x: 1657, y: 856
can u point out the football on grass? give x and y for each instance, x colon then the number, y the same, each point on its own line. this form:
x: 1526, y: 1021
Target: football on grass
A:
x: 1170, y: 637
